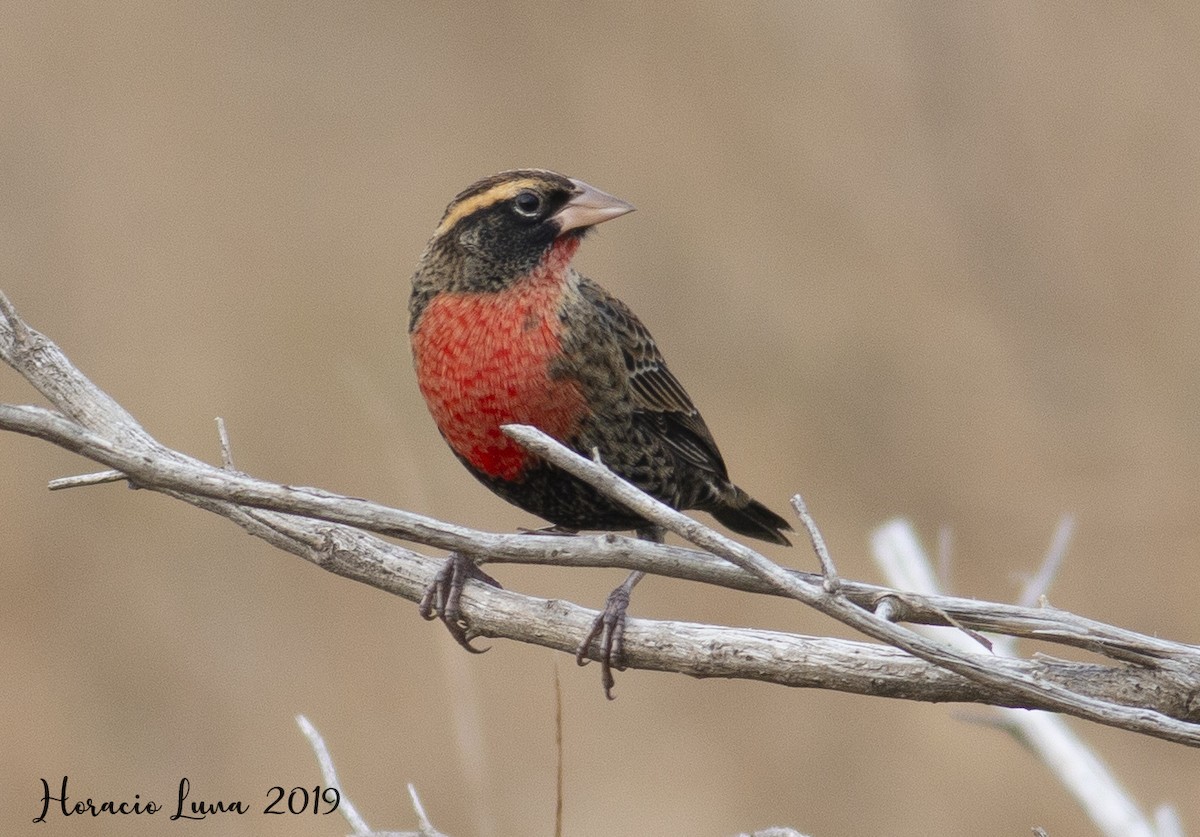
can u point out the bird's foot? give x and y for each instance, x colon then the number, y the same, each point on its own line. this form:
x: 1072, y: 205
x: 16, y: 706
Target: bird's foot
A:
x: 609, y: 628
x: 442, y: 598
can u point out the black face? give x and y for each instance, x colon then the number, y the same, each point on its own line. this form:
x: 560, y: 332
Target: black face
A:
x: 501, y: 226
x: 525, y: 221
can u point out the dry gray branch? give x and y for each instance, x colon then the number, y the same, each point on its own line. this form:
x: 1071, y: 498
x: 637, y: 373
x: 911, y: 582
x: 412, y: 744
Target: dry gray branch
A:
x: 1109, y: 806
x: 329, y: 775
x: 1027, y: 690
x: 1140, y: 683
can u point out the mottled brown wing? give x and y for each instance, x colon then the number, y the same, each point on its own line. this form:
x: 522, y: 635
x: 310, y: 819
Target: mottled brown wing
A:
x: 658, y: 394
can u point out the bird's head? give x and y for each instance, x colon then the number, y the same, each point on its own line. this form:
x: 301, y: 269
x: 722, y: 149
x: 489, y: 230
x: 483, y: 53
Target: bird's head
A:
x: 502, y: 227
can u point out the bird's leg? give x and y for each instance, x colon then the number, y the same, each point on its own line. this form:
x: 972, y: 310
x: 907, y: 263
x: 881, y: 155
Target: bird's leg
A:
x: 443, y: 597
x: 609, y: 626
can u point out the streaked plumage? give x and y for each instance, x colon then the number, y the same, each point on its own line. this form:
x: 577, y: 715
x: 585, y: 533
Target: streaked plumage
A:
x: 504, y: 330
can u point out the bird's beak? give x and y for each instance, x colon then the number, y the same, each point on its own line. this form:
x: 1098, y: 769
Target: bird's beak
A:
x: 588, y: 207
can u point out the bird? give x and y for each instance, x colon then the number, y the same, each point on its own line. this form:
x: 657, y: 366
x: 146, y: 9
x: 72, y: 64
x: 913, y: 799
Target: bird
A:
x: 505, y: 331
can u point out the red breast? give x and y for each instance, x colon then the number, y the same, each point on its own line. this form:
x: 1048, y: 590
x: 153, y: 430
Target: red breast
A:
x: 483, y: 360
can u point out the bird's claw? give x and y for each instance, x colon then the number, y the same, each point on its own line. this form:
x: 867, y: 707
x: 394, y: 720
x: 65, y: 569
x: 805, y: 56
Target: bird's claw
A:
x: 443, y: 597
x: 609, y: 628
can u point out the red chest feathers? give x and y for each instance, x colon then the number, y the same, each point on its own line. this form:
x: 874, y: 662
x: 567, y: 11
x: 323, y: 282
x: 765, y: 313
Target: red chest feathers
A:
x: 483, y: 360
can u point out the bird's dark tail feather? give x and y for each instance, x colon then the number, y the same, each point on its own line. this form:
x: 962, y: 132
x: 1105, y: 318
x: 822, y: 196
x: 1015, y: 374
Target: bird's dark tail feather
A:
x: 746, y: 516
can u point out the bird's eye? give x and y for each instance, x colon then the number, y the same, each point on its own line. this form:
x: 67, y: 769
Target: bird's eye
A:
x: 528, y: 203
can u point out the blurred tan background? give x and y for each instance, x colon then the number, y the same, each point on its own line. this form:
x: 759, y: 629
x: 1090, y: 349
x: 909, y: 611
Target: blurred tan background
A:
x: 916, y: 260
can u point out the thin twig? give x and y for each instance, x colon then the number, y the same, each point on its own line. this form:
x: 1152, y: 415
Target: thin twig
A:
x: 356, y: 821
x: 833, y: 582
x: 1038, y: 586
x: 423, y: 823
x: 558, y: 749
x: 226, y: 448
x: 329, y: 776
x: 22, y: 335
x: 84, y: 480
x: 887, y: 609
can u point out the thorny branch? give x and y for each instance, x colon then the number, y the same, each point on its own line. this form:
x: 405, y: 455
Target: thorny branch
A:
x: 1138, y: 683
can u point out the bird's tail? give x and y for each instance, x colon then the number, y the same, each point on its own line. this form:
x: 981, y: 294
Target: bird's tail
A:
x: 743, y: 514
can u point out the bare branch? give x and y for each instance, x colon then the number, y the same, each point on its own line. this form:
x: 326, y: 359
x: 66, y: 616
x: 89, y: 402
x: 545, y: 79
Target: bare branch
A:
x: 226, y: 448
x: 1039, y: 585
x: 832, y: 582
x: 1147, y: 690
x: 329, y: 775
x: 1074, y: 764
x: 423, y: 823
x: 1016, y: 690
x: 84, y: 480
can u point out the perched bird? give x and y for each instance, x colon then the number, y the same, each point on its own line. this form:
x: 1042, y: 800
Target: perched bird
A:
x: 504, y: 331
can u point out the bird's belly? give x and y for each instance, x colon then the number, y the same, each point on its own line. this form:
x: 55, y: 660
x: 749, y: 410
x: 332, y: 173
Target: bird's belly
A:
x: 485, y: 360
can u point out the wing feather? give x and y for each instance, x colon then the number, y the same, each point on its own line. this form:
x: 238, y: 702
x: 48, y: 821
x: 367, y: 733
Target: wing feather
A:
x: 657, y: 393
